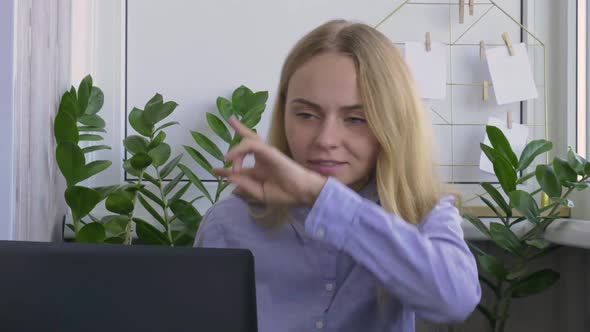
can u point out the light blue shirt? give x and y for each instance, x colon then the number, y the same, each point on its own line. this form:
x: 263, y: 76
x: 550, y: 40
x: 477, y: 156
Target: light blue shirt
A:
x: 322, y: 270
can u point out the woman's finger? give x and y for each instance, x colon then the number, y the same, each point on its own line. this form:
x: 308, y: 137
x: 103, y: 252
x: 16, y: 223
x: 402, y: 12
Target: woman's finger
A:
x: 248, y: 185
x: 241, y: 129
x: 240, y: 151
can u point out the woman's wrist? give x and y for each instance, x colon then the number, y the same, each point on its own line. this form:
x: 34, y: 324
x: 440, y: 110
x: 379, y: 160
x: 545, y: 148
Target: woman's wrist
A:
x: 313, y: 188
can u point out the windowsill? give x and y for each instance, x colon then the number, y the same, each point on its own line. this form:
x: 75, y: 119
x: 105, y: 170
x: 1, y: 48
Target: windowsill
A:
x: 567, y: 232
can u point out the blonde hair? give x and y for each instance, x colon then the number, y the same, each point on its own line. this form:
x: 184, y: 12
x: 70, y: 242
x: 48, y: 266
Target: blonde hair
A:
x: 405, y: 173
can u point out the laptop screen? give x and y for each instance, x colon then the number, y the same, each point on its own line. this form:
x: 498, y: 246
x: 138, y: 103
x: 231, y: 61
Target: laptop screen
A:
x: 69, y: 287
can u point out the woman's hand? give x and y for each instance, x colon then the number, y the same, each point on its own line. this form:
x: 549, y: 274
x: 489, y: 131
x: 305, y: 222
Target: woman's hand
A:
x: 275, y: 178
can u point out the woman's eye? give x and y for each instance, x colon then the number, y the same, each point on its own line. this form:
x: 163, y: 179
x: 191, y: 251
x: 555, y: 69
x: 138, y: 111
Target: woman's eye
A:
x: 356, y: 120
x: 304, y: 115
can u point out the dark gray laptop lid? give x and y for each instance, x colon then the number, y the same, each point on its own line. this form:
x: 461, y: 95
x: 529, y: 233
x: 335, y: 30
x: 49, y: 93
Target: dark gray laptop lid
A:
x: 86, y: 287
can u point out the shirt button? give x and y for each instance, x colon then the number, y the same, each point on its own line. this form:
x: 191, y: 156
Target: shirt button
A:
x: 319, y: 324
x: 320, y: 233
x: 329, y: 287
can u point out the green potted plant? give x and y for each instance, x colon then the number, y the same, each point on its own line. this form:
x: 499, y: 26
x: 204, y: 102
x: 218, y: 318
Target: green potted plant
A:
x: 175, y: 218
x: 511, y: 275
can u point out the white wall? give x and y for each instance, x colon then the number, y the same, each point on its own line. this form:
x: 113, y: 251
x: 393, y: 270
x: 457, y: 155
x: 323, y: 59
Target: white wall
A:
x: 6, y: 111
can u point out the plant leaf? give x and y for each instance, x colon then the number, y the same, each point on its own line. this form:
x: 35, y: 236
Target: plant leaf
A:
x: 140, y: 161
x: 136, y: 144
x: 91, y: 233
x: 218, y: 127
x: 120, y: 202
x: 151, y: 210
x: 492, y: 266
x: 180, y: 192
x: 172, y: 184
x: 195, y: 180
x: 531, y: 151
x: 576, y: 161
x: 152, y: 196
x: 239, y: 99
x: 186, y: 212
x: 129, y: 169
x: 65, y: 128
x: 200, y: 159
x: 69, y: 105
x: 208, y: 145
x: 81, y: 200
x: 168, y: 168
x: 497, y: 197
x: 504, y: 237
x: 95, y: 148
x: 84, y: 91
x: 157, y: 140
x: 505, y: 173
x: 548, y: 180
x: 92, y: 120
x: 115, y: 224
x: 90, y: 137
x: 501, y: 144
x: 92, y: 169
x: 105, y: 190
x: 525, y: 204
x: 156, y: 110
x: 137, y: 121
x: 70, y: 159
x: 166, y: 125
x: 160, y: 154
x: 225, y: 108
x: 95, y: 101
x: 149, y: 234
x: 534, y: 283
x: 564, y: 171
x: 475, y: 221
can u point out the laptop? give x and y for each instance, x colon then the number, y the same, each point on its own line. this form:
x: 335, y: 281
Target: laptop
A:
x: 74, y: 287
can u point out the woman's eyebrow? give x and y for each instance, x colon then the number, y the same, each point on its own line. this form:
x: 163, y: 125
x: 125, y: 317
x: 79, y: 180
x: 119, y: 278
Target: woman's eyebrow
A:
x: 356, y: 107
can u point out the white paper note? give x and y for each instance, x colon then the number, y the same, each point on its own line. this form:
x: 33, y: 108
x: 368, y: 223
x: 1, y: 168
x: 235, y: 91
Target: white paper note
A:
x: 512, y: 77
x: 516, y: 136
x: 428, y: 68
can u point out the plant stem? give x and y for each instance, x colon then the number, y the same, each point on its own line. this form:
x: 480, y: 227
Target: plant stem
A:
x: 165, y: 208
x: 128, y: 237
x: 503, y: 312
x: 546, y: 222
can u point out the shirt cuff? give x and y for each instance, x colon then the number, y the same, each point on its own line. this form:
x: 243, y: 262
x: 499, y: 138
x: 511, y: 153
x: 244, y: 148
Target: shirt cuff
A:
x: 333, y: 213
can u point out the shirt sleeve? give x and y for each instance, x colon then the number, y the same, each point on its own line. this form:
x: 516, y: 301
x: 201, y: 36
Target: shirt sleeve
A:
x: 210, y: 233
x: 427, y: 267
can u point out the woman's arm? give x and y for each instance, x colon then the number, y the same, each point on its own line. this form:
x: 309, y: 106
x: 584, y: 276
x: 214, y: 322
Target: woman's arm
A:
x: 210, y: 233
x: 428, y: 267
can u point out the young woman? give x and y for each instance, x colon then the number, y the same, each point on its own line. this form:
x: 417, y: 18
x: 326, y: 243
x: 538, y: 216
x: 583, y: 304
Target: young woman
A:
x: 358, y: 234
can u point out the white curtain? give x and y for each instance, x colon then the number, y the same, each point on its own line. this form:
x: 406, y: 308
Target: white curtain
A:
x: 42, y: 75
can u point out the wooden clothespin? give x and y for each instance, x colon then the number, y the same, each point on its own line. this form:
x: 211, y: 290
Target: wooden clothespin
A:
x: 509, y: 120
x: 461, y: 11
x: 428, y: 42
x: 482, y: 50
x: 471, y: 5
x: 508, y: 43
x: 486, y: 93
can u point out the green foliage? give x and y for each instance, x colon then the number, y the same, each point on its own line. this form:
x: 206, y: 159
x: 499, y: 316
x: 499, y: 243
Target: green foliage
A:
x: 507, y: 274
x: 76, y: 128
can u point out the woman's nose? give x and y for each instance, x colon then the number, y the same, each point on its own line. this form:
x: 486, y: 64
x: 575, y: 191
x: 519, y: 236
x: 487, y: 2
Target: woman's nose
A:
x: 328, y: 135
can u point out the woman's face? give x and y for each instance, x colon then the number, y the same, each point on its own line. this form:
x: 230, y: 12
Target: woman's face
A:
x: 325, y: 124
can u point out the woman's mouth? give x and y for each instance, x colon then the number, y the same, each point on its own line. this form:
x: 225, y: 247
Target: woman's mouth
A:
x: 326, y: 167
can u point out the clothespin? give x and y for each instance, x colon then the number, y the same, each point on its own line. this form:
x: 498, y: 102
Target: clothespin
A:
x: 486, y: 93
x: 509, y: 120
x: 482, y: 50
x: 508, y: 43
x: 471, y: 5
x: 428, y: 42
x: 461, y: 11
